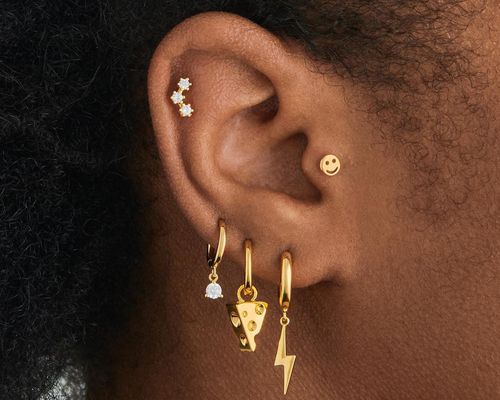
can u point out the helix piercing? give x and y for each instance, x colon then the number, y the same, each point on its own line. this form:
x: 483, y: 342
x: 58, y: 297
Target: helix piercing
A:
x: 185, y: 110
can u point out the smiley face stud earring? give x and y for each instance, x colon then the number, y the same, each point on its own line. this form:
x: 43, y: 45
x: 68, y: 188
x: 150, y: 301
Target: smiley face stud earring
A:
x: 330, y: 165
x: 185, y: 110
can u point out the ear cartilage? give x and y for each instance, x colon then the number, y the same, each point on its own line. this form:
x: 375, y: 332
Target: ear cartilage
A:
x: 185, y: 110
x: 330, y: 165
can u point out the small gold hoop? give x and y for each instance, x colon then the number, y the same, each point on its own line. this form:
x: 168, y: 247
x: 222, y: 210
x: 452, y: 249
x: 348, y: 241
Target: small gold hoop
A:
x: 248, y: 286
x: 214, y: 256
x: 284, y: 320
x: 285, y: 292
x: 241, y: 290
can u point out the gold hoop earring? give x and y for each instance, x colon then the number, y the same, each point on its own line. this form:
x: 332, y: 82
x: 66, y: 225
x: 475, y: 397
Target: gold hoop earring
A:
x: 214, y: 258
x: 285, y: 296
x: 247, y: 316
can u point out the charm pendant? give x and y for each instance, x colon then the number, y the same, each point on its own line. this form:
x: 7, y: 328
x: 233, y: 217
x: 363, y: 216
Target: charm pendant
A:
x: 213, y: 290
x: 285, y: 296
x: 247, y: 318
x: 287, y: 361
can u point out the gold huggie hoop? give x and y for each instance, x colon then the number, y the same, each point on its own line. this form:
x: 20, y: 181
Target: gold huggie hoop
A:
x: 285, y: 293
x: 248, y: 287
x: 214, y: 258
x: 247, y: 316
x: 285, y: 297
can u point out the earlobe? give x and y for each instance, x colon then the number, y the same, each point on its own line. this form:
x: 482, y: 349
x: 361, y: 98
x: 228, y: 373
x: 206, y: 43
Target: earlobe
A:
x: 240, y: 156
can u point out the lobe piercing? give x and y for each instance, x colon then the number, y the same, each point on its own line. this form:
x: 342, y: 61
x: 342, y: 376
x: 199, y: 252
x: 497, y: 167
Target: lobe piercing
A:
x: 285, y: 296
x: 214, y: 258
x: 330, y: 165
x: 185, y: 110
x: 247, y: 315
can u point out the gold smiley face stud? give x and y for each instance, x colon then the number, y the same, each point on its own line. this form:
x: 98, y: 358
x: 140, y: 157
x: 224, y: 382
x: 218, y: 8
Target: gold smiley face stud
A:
x: 330, y: 165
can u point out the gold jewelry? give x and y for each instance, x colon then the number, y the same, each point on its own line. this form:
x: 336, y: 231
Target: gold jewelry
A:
x: 285, y: 295
x: 247, y: 316
x: 214, y: 257
x: 330, y: 165
x: 185, y: 110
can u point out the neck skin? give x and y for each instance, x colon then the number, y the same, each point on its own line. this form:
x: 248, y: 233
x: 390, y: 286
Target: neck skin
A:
x: 376, y: 336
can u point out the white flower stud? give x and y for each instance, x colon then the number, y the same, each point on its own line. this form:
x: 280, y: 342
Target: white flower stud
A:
x: 185, y: 110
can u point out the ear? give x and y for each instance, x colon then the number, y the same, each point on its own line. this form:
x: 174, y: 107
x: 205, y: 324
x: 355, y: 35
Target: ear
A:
x: 250, y: 153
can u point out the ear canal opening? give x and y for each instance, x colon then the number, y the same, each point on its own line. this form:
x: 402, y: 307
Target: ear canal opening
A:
x: 277, y: 168
x: 287, y: 175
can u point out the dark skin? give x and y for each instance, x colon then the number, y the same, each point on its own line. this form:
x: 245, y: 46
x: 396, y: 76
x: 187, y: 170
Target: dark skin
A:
x: 387, y: 303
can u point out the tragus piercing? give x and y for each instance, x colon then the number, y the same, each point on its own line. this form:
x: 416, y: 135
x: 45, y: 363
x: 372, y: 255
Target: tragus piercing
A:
x: 330, y: 165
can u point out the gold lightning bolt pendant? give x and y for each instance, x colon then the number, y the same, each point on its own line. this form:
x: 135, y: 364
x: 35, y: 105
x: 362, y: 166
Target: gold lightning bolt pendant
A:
x: 283, y: 359
x: 285, y: 296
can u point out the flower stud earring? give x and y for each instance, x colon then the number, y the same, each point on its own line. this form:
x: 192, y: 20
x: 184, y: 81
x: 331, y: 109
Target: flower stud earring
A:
x: 185, y: 110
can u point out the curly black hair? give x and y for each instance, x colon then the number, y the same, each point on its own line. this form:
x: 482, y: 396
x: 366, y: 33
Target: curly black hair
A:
x: 69, y: 237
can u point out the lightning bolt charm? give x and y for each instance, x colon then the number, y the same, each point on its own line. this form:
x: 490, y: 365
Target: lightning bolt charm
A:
x: 285, y: 295
x: 283, y: 359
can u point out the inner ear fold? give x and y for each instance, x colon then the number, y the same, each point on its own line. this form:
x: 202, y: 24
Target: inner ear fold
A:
x: 276, y: 168
x: 241, y: 136
x: 251, y: 140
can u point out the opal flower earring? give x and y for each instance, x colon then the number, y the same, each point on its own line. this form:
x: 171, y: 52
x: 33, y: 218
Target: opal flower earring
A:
x: 185, y: 110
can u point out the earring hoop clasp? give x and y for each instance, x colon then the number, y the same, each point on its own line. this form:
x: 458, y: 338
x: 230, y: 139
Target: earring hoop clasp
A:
x: 285, y: 290
x: 248, y: 287
x: 214, y: 256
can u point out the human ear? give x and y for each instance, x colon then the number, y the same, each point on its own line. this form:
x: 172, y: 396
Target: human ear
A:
x: 250, y: 153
